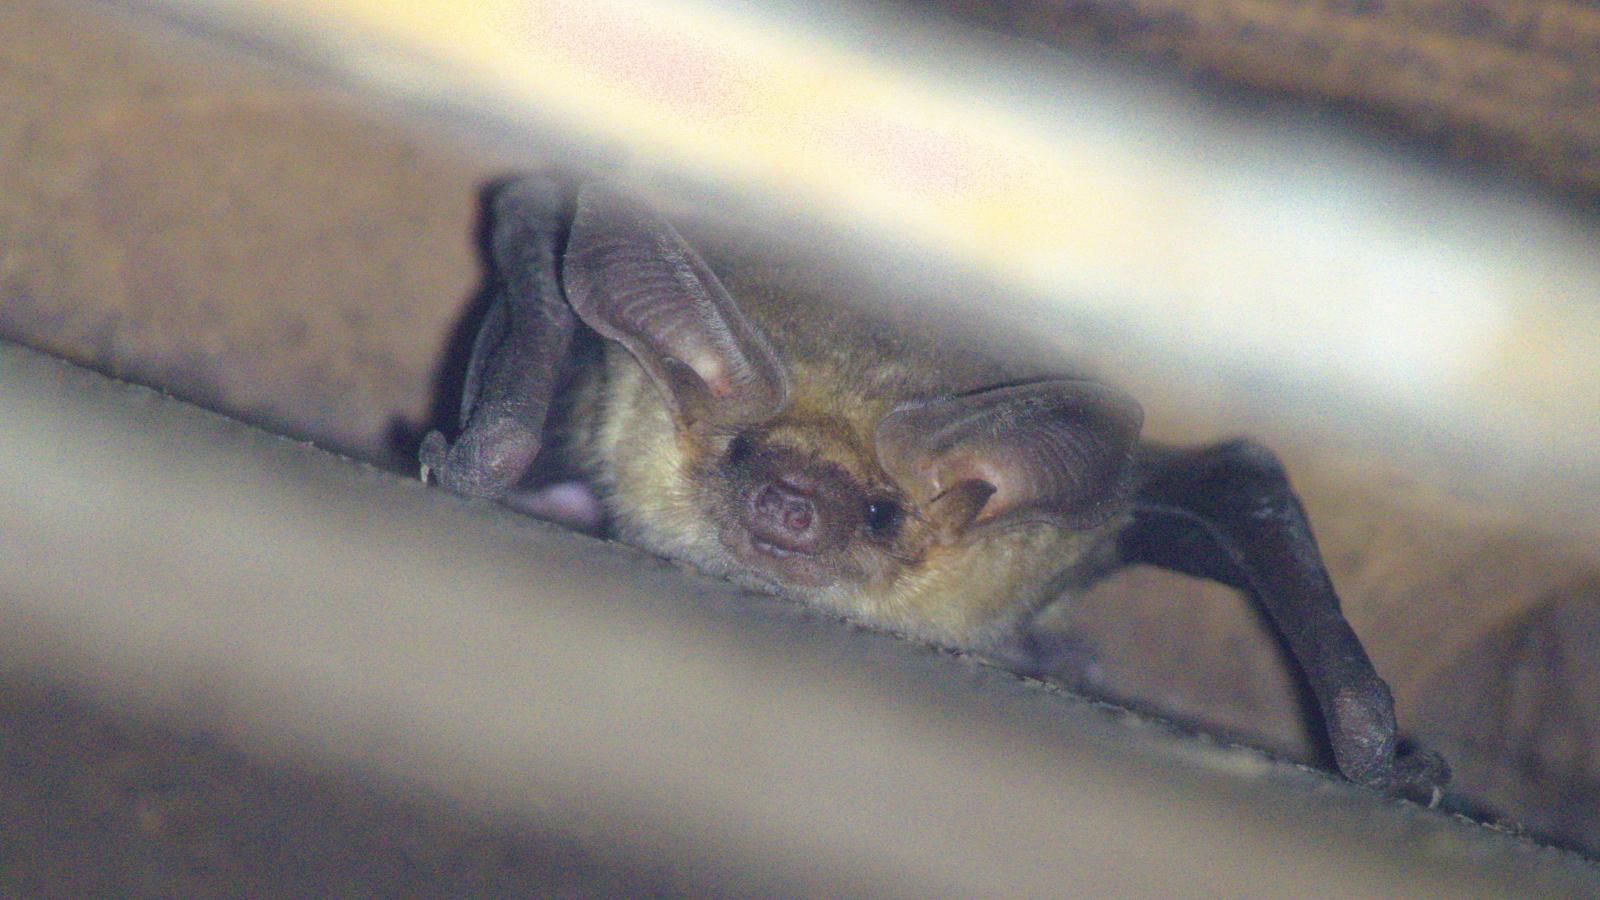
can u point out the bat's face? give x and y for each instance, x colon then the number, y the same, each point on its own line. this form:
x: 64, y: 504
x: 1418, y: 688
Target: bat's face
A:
x: 802, y: 504
x: 795, y: 505
x: 915, y: 514
x: 765, y: 459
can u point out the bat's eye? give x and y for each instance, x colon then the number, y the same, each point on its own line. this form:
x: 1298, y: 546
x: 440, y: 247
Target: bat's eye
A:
x: 739, y: 450
x: 883, y: 518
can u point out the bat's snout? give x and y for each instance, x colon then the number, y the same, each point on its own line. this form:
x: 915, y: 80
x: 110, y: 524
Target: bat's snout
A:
x: 796, y: 507
x: 789, y: 512
x: 784, y: 517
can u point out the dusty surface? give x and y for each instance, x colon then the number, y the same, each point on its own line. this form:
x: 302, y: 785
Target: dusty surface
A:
x: 349, y: 254
x: 303, y: 604
x: 96, y: 805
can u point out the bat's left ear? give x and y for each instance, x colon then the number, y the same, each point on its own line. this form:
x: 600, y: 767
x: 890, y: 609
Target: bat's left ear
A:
x: 1059, y: 451
x: 630, y: 277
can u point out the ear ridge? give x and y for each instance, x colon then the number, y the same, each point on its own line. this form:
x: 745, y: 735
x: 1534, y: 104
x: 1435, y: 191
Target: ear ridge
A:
x: 630, y: 276
x: 1058, y: 451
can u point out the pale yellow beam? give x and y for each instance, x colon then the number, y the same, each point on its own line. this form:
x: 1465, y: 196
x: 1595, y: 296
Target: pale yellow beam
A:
x: 1242, y: 245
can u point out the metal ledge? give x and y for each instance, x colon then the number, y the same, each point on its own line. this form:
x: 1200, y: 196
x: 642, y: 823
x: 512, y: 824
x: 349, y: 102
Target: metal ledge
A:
x: 163, y: 557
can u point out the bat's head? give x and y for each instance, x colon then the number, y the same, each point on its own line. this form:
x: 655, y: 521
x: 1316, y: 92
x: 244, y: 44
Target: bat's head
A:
x: 935, y: 512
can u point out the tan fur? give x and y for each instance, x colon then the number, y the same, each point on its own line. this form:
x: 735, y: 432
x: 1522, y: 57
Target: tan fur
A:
x: 847, y: 370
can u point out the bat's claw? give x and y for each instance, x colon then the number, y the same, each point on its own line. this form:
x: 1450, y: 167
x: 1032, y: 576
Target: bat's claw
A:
x: 1420, y: 776
x: 432, y: 455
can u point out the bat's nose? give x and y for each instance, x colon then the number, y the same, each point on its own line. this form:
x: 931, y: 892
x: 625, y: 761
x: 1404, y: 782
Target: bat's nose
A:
x: 785, y: 517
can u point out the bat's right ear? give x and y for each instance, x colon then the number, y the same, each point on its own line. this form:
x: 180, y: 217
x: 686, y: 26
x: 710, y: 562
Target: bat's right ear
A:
x: 631, y: 278
x: 1058, y: 451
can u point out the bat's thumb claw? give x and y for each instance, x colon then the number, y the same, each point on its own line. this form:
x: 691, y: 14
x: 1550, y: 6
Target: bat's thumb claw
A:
x: 487, y: 460
x: 432, y: 455
x: 1420, y: 775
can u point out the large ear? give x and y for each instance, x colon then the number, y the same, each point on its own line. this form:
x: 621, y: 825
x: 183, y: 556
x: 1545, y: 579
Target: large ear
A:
x: 1057, y: 451
x: 630, y: 277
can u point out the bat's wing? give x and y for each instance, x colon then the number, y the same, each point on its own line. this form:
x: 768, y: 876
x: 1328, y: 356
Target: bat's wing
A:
x: 561, y: 254
x: 1227, y: 513
x: 519, y: 353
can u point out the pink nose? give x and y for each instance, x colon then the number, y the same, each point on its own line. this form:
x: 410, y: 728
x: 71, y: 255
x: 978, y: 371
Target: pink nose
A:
x: 784, y: 518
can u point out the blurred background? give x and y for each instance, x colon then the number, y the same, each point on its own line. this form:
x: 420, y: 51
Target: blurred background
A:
x: 1365, y: 233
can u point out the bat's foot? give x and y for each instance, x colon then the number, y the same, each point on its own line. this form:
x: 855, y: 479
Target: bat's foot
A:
x: 570, y: 504
x: 1049, y: 654
x: 1420, y: 776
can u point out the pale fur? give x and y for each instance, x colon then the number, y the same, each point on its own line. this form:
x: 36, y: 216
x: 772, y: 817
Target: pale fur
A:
x: 847, y: 371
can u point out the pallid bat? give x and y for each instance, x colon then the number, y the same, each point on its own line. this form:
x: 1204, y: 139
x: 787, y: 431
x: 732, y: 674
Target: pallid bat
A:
x: 732, y: 417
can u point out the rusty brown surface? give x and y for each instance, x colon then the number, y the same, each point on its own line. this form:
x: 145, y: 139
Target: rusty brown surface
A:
x: 196, y: 219
x: 199, y: 219
x: 1511, y: 84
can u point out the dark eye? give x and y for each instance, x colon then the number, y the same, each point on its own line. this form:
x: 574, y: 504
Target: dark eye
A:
x: 738, y: 450
x: 883, y: 518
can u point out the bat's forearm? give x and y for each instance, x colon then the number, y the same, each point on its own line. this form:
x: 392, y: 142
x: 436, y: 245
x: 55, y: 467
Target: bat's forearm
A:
x: 520, y: 352
x: 1227, y: 513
